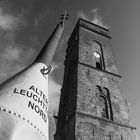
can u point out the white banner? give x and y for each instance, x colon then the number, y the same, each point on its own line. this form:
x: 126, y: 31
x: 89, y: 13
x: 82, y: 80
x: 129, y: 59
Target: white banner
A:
x: 25, y: 96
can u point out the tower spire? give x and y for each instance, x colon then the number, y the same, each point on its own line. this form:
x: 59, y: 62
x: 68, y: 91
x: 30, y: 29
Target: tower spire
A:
x: 46, y: 54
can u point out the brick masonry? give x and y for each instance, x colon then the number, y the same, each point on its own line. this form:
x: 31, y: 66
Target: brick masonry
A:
x: 92, y: 106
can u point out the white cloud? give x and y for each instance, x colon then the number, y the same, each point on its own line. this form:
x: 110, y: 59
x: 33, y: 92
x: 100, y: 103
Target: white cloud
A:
x: 9, y: 21
x: 81, y: 14
x: 93, y: 16
x: 13, y: 59
x: 11, y: 53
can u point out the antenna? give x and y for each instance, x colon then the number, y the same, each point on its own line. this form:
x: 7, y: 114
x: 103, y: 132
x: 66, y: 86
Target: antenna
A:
x: 64, y: 17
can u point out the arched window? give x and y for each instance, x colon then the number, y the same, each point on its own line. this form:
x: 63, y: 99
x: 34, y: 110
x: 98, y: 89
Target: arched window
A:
x: 97, y: 55
x: 103, y: 104
x: 105, y: 91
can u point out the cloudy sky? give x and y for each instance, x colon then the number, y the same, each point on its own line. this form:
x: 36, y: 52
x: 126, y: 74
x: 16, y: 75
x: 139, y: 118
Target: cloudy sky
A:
x: 26, y: 24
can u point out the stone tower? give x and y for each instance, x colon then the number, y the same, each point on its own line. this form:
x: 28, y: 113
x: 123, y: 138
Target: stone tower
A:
x: 92, y: 106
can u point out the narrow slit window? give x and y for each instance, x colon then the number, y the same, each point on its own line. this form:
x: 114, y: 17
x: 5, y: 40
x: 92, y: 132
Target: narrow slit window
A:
x: 98, y: 60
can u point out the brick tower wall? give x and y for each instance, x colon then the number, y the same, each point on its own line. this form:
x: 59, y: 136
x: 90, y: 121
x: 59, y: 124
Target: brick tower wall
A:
x: 92, y: 106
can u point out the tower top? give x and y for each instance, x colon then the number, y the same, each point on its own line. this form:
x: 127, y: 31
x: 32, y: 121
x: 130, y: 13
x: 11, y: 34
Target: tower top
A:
x: 91, y: 27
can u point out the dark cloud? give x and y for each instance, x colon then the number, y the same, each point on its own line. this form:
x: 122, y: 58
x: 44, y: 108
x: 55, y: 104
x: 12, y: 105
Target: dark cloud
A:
x: 42, y: 16
x: 13, y: 59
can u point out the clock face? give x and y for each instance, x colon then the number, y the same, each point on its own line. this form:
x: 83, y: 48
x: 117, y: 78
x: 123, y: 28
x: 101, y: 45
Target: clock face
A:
x: 96, y: 54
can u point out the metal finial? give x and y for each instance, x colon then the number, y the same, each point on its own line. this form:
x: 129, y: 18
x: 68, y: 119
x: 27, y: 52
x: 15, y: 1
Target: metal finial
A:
x: 64, y: 17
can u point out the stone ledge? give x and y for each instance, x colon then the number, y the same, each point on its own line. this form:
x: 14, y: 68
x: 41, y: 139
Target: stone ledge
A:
x: 95, y: 31
x: 103, y: 119
x: 81, y: 63
x: 96, y: 25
